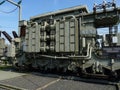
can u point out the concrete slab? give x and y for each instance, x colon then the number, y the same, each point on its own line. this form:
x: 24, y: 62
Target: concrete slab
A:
x: 9, y: 74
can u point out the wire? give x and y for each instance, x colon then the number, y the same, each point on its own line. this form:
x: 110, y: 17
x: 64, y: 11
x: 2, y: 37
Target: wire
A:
x: 9, y: 11
x: 2, y: 2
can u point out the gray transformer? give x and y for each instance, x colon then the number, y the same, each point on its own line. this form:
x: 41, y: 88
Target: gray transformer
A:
x: 68, y: 40
x: 2, y: 46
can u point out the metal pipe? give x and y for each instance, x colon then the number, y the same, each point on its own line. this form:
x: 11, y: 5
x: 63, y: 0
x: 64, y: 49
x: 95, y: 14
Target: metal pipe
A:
x: 54, y: 57
x: 82, y: 56
x: 88, y: 56
x: 20, y: 13
x: 73, y: 57
x: 69, y: 17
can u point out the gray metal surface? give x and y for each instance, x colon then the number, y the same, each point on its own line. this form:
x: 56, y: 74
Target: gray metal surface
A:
x: 32, y: 38
x: 67, y: 36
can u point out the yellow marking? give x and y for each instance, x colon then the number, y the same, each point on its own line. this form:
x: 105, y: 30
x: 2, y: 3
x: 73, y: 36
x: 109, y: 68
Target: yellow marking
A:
x: 45, y: 86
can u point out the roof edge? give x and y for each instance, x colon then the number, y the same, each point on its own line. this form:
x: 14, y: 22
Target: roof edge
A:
x: 62, y: 11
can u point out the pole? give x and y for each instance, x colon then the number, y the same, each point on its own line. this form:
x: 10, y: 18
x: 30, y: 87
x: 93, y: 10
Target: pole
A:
x: 18, y: 5
x: 20, y: 11
x: 20, y: 15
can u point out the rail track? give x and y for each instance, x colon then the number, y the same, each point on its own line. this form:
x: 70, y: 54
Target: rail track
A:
x: 75, y: 78
x: 9, y: 87
x: 48, y: 81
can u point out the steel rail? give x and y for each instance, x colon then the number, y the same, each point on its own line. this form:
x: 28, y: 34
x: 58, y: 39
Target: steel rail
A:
x: 77, y: 78
x: 10, y: 87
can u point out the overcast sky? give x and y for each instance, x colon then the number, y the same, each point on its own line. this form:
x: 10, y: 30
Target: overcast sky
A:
x: 9, y: 22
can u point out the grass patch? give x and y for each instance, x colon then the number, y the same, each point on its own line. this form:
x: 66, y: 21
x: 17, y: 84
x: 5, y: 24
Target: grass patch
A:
x: 3, y: 67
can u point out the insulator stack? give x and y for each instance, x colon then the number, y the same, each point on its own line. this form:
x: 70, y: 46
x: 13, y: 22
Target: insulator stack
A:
x: 9, y: 38
x: 0, y: 33
x: 14, y: 34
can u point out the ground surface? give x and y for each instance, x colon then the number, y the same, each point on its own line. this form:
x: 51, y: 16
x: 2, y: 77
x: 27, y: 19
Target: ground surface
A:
x: 31, y: 81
